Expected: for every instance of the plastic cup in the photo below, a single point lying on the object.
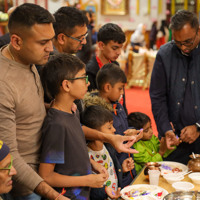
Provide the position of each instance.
(154, 177)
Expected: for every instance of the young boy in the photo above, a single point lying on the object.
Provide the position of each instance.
(110, 82)
(99, 118)
(64, 159)
(149, 147)
(110, 43)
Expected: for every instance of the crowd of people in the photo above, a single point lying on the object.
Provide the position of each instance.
(65, 132)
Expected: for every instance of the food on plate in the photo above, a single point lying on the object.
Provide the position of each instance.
(166, 169)
(144, 192)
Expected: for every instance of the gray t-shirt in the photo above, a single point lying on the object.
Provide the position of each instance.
(64, 144)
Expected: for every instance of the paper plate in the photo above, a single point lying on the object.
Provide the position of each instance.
(167, 167)
(143, 192)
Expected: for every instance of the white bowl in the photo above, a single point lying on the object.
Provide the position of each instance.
(172, 177)
(183, 186)
(195, 177)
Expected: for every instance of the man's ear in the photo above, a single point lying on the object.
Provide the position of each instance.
(101, 45)
(61, 38)
(107, 87)
(66, 85)
(16, 41)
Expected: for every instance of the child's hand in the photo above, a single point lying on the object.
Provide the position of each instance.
(96, 180)
(127, 165)
(163, 146)
(98, 168)
(113, 194)
(133, 132)
(171, 139)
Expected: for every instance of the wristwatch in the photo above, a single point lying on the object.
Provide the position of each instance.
(198, 127)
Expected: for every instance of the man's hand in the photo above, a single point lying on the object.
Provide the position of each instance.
(113, 194)
(117, 141)
(127, 165)
(189, 134)
(171, 139)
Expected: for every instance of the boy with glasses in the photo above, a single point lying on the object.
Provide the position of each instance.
(64, 159)
(6, 169)
(175, 87)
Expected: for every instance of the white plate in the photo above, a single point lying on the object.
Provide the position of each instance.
(172, 165)
(153, 189)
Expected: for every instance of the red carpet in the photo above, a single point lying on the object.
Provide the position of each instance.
(138, 100)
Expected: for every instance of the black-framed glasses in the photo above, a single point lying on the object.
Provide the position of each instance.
(82, 77)
(9, 167)
(79, 40)
(187, 43)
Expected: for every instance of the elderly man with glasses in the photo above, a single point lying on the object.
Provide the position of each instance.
(175, 87)
(6, 168)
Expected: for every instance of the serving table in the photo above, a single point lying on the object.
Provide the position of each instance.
(141, 179)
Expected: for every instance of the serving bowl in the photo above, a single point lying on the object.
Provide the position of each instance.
(181, 195)
(172, 178)
(195, 177)
(183, 186)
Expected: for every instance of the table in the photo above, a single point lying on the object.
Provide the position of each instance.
(141, 179)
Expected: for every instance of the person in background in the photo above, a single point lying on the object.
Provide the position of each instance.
(149, 147)
(5, 39)
(104, 153)
(70, 28)
(64, 158)
(162, 35)
(85, 53)
(7, 171)
(174, 88)
(110, 82)
(138, 38)
(22, 108)
(152, 35)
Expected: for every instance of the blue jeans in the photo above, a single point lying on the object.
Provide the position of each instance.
(32, 196)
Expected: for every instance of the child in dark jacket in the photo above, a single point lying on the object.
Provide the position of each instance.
(99, 118)
(111, 81)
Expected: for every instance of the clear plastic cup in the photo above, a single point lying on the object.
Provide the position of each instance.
(154, 177)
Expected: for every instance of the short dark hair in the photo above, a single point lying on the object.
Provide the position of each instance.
(110, 73)
(66, 20)
(96, 116)
(110, 32)
(183, 17)
(61, 66)
(27, 15)
(137, 120)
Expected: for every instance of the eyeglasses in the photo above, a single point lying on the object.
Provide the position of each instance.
(84, 37)
(82, 77)
(9, 167)
(186, 44)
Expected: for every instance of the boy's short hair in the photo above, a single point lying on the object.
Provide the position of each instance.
(96, 116)
(27, 15)
(110, 32)
(138, 120)
(67, 18)
(110, 73)
(60, 67)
